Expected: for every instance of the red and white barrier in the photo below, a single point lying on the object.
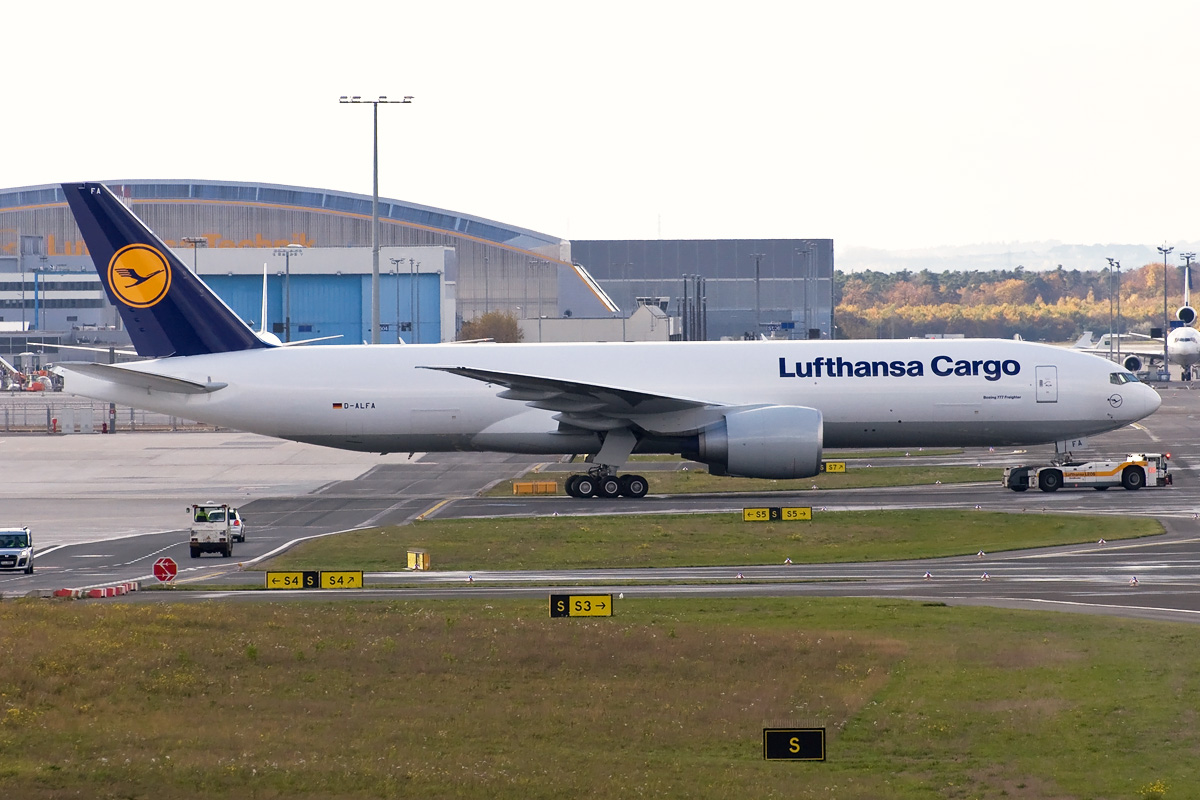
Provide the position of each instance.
(112, 590)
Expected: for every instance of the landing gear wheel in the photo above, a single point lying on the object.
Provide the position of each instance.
(1050, 480)
(584, 486)
(1133, 478)
(608, 487)
(569, 486)
(634, 486)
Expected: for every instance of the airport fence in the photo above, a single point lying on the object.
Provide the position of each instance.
(52, 412)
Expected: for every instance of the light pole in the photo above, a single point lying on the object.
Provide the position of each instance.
(292, 250)
(195, 241)
(537, 265)
(374, 205)
(1112, 262)
(757, 295)
(1166, 251)
(1187, 284)
(414, 297)
(396, 262)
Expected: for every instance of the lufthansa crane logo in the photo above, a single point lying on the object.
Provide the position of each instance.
(1115, 400)
(139, 275)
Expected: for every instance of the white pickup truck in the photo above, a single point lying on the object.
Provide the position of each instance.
(214, 528)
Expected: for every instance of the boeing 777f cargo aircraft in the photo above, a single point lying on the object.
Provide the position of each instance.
(752, 409)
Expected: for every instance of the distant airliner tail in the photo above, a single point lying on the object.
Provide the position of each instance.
(167, 310)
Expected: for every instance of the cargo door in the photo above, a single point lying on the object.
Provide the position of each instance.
(1047, 384)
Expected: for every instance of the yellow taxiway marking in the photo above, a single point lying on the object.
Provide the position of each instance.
(433, 508)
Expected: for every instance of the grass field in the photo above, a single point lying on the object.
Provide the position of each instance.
(675, 540)
(474, 699)
(915, 452)
(838, 455)
(695, 481)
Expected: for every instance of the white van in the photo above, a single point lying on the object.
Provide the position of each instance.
(16, 550)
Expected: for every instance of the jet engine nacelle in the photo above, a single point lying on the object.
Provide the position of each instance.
(765, 442)
(1132, 363)
(1186, 315)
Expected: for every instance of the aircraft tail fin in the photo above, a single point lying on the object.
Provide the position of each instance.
(167, 310)
(1084, 341)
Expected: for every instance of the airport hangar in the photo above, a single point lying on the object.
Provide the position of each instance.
(437, 269)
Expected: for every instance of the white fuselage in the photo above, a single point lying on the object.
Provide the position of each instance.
(880, 393)
(1183, 347)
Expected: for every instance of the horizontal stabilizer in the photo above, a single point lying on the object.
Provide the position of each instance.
(136, 379)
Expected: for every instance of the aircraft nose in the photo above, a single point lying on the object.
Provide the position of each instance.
(1150, 400)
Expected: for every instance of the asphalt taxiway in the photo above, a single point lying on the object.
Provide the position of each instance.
(108, 506)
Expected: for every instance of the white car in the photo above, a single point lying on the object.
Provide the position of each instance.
(16, 550)
(237, 525)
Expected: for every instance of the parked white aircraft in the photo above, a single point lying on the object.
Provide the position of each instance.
(753, 409)
(1135, 350)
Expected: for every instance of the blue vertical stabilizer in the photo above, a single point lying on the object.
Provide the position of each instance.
(167, 310)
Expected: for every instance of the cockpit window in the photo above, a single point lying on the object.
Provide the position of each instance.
(1122, 377)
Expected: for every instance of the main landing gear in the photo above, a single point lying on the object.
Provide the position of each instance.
(603, 483)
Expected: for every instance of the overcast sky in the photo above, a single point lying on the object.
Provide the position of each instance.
(878, 124)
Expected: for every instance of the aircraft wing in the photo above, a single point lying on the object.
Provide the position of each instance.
(598, 407)
(120, 351)
(1145, 349)
(136, 379)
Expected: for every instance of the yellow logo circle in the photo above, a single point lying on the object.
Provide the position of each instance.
(139, 275)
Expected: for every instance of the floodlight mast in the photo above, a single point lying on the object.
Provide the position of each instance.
(1112, 262)
(1166, 251)
(374, 203)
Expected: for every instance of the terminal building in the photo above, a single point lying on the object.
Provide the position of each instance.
(312, 250)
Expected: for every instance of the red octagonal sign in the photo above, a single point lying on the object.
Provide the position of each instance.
(165, 569)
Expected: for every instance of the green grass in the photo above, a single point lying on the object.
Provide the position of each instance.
(834, 455)
(474, 698)
(676, 540)
(915, 452)
(699, 481)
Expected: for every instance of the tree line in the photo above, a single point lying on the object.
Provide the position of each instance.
(1055, 305)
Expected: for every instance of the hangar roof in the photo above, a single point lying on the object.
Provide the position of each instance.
(266, 194)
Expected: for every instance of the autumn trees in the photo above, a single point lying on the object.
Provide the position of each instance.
(1054, 306)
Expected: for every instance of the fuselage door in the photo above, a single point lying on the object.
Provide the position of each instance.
(1047, 384)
